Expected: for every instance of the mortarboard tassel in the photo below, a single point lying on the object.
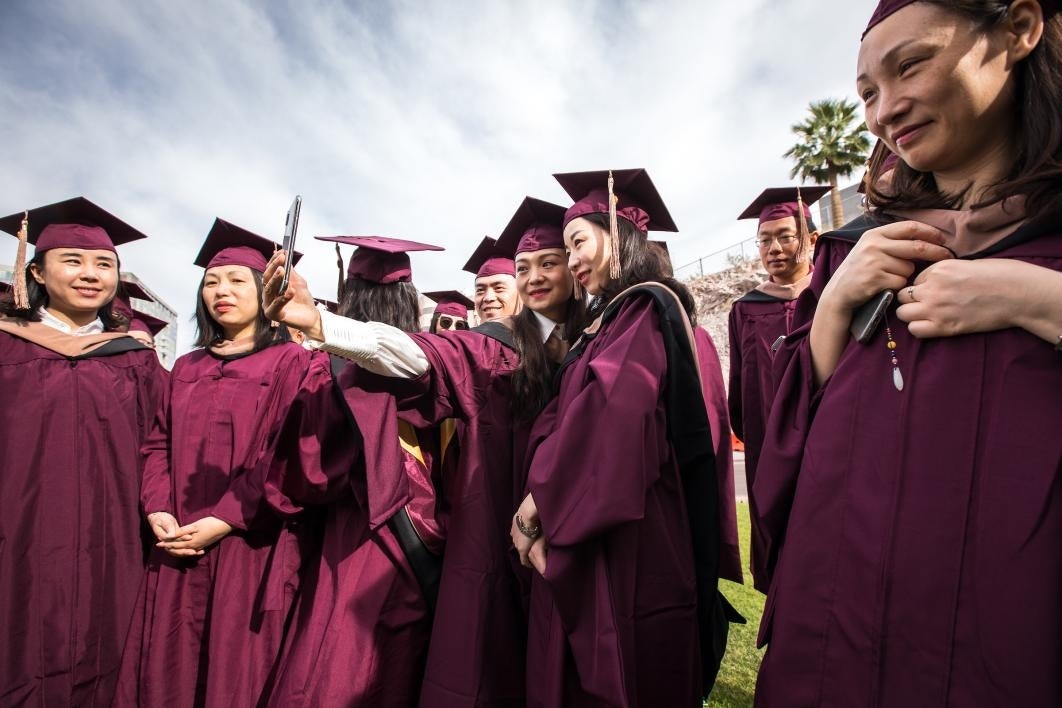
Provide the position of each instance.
(21, 288)
(803, 232)
(341, 282)
(577, 290)
(613, 230)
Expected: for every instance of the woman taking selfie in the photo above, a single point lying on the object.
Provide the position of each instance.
(911, 484)
(468, 376)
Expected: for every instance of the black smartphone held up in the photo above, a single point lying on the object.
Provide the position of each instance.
(868, 317)
(291, 226)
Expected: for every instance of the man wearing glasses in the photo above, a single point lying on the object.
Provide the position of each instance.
(785, 236)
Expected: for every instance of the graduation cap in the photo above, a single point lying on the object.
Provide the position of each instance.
(380, 259)
(138, 319)
(229, 244)
(637, 200)
(779, 202)
(535, 226)
(144, 322)
(488, 259)
(884, 10)
(74, 223)
(451, 302)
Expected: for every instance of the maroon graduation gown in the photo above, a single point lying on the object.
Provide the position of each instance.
(756, 321)
(476, 654)
(614, 619)
(71, 543)
(208, 630)
(362, 624)
(714, 393)
(918, 533)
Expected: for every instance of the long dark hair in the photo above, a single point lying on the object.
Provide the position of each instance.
(38, 298)
(640, 262)
(1037, 168)
(533, 379)
(209, 332)
(396, 304)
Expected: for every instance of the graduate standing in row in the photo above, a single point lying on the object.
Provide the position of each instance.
(495, 293)
(78, 398)
(222, 579)
(912, 484)
(621, 522)
(785, 237)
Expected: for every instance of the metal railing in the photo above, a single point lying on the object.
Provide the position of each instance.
(718, 260)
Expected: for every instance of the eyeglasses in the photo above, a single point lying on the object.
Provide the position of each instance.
(447, 322)
(765, 243)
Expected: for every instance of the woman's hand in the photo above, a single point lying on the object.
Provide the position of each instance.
(296, 307)
(537, 555)
(961, 297)
(163, 525)
(884, 259)
(194, 538)
(526, 516)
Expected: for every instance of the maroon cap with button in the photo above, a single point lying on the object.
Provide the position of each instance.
(637, 199)
(229, 244)
(380, 259)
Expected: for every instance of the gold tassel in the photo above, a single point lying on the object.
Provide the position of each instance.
(803, 231)
(342, 280)
(577, 290)
(613, 230)
(21, 288)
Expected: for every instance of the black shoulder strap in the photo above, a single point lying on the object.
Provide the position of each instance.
(690, 434)
(497, 331)
(758, 296)
(114, 347)
(426, 566)
(858, 226)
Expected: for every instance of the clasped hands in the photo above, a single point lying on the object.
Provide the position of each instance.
(190, 540)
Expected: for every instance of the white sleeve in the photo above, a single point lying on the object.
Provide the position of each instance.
(377, 347)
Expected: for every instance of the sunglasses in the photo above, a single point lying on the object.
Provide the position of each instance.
(447, 322)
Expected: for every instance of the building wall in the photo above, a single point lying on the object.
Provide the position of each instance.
(166, 340)
(851, 203)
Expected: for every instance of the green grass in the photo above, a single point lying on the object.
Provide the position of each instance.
(737, 676)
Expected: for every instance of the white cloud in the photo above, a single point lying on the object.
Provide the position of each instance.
(424, 120)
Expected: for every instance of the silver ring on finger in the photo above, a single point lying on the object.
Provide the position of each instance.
(910, 294)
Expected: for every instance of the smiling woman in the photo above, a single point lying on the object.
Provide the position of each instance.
(625, 519)
(75, 403)
(207, 593)
(896, 515)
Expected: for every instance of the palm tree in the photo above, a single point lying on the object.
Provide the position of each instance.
(829, 147)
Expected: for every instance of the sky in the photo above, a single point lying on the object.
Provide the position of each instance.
(427, 121)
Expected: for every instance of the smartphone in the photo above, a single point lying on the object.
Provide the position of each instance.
(291, 227)
(868, 317)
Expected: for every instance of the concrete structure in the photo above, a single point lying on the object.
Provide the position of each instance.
(851, 203)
